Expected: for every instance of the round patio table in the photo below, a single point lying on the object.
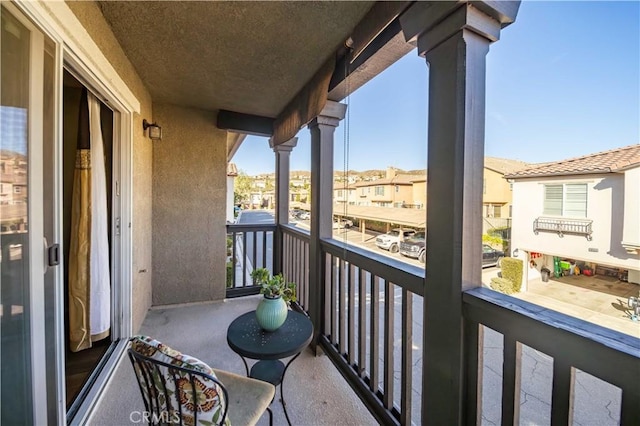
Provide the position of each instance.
(246, 338)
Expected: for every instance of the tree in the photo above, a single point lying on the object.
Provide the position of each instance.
(242, 186)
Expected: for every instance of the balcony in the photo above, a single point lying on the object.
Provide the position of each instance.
(563, 226)
(523, 363)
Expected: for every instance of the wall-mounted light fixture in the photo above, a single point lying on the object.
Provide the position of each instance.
(155, 131)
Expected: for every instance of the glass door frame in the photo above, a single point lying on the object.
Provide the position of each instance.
(35, 204)
(78, 53)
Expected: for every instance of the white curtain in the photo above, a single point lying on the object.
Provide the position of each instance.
(100, 288)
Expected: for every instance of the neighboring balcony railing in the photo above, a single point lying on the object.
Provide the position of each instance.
(563, 226)
(248, 247)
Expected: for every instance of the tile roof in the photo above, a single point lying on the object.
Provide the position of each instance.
(397, 180)
(601, 162)
(504, 165)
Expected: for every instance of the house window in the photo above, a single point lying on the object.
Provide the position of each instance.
(484, 185)
(339, 193)
(379, 190)
(397, 189)
(566, 199)
(17, 190)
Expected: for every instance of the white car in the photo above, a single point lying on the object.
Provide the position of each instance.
(392, 239)
(342, 223)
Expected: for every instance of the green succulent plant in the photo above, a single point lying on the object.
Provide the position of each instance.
(275, 286)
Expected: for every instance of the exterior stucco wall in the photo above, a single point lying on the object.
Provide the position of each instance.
(497, 191)
(420, 193)
(189, 206)
(89, 14)
(605, 204)
(631, 232)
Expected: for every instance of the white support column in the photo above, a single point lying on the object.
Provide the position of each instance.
(322, 130)
(455, 49)
(283, 155)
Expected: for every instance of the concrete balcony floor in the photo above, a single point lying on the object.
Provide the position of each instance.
(315, 392)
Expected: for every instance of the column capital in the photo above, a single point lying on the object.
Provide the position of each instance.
(330, 115)
(427, 24)
(285, 146)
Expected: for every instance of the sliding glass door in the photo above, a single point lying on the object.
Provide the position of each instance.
(27, 106)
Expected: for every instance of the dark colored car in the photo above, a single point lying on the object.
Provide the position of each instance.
(491, 256)
(415, 247)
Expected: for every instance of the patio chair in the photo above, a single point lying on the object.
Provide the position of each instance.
(169, 380)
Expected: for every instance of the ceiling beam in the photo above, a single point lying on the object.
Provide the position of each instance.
(376, 43)
(245, 123)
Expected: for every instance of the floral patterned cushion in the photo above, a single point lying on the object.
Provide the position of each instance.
(209, 398)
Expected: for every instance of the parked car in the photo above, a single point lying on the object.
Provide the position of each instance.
(342, 223)
(304, 215)
(491, 256)
(295, 213)
(392, 239)
(415, 247)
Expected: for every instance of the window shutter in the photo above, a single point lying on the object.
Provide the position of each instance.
(576, 200)
(553, 200)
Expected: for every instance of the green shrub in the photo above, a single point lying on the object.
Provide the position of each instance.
(512, 271)
(230, 271)
(503, 285)
(492, 240)
(229, 245)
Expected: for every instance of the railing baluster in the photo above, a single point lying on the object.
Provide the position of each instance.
(306, 276)
(351, 313)
(295, 264)
(285, 255)
(342, 329)
(299, 261)
(244, 259)
(234, 260)
(388, 344)
(511, 380)
(473, 369)
(630, 410)
(362, 323)
(375, 334)
(334, 296)
(406, 379)
(264, 249)
(255, 250)
(562, 392)
(328, 276)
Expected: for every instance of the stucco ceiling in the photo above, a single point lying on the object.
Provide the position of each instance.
(249, 57)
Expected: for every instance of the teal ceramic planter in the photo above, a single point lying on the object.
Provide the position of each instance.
(271, 313)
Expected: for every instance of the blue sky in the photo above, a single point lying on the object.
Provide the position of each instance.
(563, 81)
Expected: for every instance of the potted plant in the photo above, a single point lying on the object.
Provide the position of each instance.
(273, 308)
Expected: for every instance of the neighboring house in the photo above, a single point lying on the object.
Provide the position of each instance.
(343, 193)
(496, 198)
(420, 192)
(585, 209)
(496, 191)
(395, 190)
